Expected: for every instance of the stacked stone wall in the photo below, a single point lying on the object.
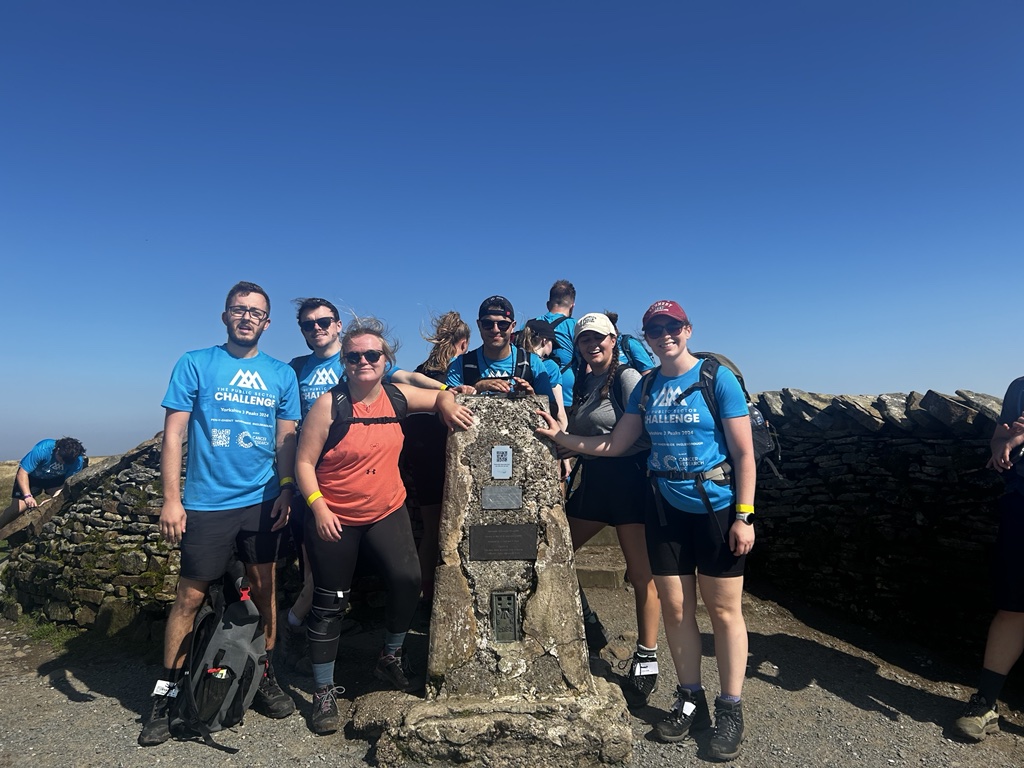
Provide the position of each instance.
(885, 513)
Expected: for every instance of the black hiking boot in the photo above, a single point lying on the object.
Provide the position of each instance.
(325, 718)
(642, 679)
(157, 729)
(393, 670)
(729, 730)
(270, 700)
(689, 712)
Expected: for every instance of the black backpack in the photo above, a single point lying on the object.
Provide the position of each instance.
(766, 439)
(471, 366)
(341, 413)
(224, 664)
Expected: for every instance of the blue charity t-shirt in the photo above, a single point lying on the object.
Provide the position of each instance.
(641, 357)
(41, 464)
(684, 436)
(235, 404)
(501, 369)
(317, 376)
(562, 351)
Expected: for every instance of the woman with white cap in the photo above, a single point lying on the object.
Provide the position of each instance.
(699, 526)
(612, 490)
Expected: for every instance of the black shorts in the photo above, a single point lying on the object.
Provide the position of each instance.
(1009, 573)
(211, 537)
(611, 490)
(37, 485)
(690, 542)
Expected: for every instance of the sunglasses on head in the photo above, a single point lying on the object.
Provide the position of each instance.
(371, 355)
(308, 325)
(657, 330)
(503, 325)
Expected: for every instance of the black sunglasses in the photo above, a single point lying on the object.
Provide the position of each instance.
(309, 325)
(371, 355)
(503, 325)
(657, 331)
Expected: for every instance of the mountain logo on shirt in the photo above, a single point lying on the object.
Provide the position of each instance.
(323, 377)
(669, 396)
(248, 380)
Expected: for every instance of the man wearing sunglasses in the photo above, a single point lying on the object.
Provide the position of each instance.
(237, 407)
(496, 367)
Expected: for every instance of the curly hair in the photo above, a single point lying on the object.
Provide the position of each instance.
(371, 326)
(69, 448)
(449, 330)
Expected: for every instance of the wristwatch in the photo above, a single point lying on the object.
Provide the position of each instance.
(746, 517)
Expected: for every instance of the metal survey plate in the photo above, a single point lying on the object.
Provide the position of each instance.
(503, 542)
(501, 497)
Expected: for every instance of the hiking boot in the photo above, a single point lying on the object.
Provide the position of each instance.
(157, 729)
(270, 700)
(729, 730)
(978, 719)
(393, 670)
(689, 712)
(325, 718)
(642, 680)
(593, 630)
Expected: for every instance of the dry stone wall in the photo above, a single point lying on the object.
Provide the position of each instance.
(885, 512)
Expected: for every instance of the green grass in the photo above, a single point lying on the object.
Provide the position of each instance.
(57, 636)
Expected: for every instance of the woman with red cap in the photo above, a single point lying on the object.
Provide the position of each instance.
(698, 524)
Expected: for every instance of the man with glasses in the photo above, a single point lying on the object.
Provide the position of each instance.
(496, 367)
(44, 469)
(238, 407)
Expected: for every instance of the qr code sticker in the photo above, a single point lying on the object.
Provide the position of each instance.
(501, 456)
(221, 438)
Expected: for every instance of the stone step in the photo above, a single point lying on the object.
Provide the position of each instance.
(601, 566)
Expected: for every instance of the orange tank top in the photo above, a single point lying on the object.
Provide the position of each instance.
(359, 477)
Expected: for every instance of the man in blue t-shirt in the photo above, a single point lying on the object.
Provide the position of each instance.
(496, 367)
(561, 301)
(237, 407)
(44, 469)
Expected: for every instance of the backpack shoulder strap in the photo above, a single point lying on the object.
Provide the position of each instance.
(645, 389)
(706, 383)
(471, 367)
(341, 418)
(561, 319)
(398, 401)
(521, 367)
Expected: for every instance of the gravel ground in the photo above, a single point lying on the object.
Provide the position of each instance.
(811, 699)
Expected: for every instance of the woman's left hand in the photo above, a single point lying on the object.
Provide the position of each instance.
(550, 428)
(741, 538)
(454, 415)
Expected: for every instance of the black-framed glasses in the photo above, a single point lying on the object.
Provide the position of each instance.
(486, 325)
(237, 310)
(371, 355)
(307, 326)
(657, 330)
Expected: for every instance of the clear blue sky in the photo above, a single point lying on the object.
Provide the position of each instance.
(833, 190)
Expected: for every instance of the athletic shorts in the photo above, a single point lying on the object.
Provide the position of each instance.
(612, 490)
(1009, 571)
(37, 486)
(211, 537)
(690, 542)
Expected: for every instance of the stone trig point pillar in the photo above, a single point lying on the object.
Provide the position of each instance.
(508, 677)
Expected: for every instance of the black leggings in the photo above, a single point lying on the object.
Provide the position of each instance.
(392, 552)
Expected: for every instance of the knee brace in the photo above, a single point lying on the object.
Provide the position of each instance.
(325, 616)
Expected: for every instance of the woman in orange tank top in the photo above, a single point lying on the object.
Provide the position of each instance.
(352, 486)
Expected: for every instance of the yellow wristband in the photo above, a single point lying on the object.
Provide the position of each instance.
(286, 480)
(748, 508)
(313, 497)
(444, 387)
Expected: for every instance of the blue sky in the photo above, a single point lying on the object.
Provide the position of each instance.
(833, 190)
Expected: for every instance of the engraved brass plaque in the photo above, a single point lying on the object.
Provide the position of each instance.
(503, 542)
(501, 497)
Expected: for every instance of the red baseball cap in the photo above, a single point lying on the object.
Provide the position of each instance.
(667, 308)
